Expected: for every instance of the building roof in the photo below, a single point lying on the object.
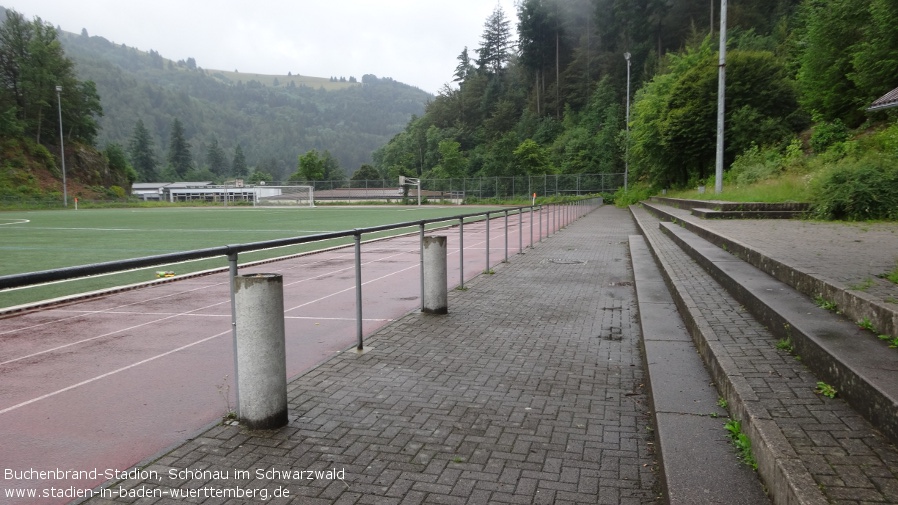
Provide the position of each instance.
(886, 101)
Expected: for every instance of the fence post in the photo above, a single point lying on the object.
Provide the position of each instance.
(358, 289)
(434, 298)
(261, 352)
(520, 231)
(532, 218)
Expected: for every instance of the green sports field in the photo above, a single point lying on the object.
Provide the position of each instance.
(42, 240)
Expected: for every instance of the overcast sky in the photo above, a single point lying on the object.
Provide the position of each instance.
(413, 41)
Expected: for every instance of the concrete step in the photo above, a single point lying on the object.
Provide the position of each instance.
(718, 205)
(839, 352)
(809, 448)
(747, 214)
(697, 460)
(855, 305)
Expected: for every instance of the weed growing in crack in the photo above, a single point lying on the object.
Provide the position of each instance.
(826, 390)
(741, 442)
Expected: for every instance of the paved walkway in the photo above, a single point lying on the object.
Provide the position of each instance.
(531, 390)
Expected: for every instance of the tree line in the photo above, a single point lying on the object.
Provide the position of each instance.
(554, 99)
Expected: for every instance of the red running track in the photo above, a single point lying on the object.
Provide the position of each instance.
(107, 382)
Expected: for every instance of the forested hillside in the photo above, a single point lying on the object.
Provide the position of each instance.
(800, 74)
(221, 123)
(274, 119)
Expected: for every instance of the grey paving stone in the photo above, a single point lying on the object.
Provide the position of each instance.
(531, 390)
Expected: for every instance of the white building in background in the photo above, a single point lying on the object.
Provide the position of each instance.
(205, 191)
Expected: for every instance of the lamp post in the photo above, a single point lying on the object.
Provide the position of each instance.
(65, 196)
(721, 89)
(627, 147)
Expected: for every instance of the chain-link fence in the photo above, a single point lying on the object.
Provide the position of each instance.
(475, 187)
(454, 190)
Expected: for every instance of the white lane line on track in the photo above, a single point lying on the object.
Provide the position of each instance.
(90, 312)
(109, 333)
(190, 313)
(107, 374)
(180, 314)
(229, 315)
(153, 358)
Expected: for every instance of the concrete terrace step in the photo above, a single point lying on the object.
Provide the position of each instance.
(696, 458)
(809, 448)
(716, 209)
(838, 352)
(718, 205)
(746, 214)
(815, 282)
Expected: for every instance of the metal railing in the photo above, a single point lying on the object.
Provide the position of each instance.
(558, 214)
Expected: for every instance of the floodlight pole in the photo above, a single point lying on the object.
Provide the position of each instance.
(65, 196)
(627, 147)
(721, 87)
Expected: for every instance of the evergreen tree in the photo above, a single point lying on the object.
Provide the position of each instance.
(179, 150)
(464, 68)
(143, 153)
(216, 160)
(32, 65)
(238, 166)
(495, 48)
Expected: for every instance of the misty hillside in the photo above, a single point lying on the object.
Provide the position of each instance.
(274, 119)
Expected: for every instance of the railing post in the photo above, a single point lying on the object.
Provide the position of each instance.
(520, 231)
(540, 223)
(532, 220)
(506, 236)
(487, 244)
(358, 289)
(461, 253)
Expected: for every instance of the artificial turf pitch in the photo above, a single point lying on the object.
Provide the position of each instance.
(47, 239)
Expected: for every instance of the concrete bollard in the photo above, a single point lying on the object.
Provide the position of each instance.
(261, 353)
(435, 276)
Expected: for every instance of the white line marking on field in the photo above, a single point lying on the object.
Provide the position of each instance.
(15, 221)
(107, 374)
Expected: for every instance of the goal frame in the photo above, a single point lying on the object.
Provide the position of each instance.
(284, 195)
